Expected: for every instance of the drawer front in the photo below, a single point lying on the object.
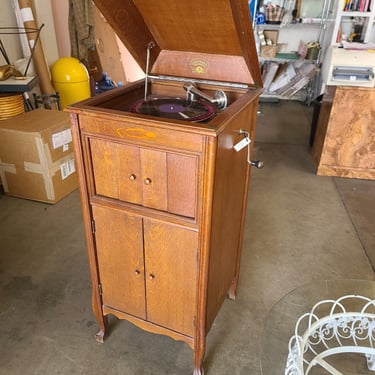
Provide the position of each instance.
(162, 180)
(142, 134)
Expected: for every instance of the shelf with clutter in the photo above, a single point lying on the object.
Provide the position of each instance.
(291, 40)
(350, 59)
(354, 22)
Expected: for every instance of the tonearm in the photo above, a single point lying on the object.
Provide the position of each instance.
(220, 98)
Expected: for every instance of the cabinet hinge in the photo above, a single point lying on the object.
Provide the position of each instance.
(93, 226)
(100, 290)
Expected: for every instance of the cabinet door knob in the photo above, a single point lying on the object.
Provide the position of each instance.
(132, 177)
(151, 276)
(148, 181)
(137, 272)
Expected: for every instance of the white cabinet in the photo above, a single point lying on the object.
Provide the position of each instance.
(354, 29)
(354, 21)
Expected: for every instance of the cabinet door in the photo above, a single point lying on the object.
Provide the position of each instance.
(104, 164)
(116, 170)
(169, 181)
(153, 178)
(182, 187)
(171, 275)
(119, 247)
(129, 174)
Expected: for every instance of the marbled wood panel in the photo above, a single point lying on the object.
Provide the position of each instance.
(337, 171)
(349, 146)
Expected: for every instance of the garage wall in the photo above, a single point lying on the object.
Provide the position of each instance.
(43, 15)
(10, 42)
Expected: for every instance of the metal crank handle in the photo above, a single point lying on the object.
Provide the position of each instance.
(246, 142)
(256, 163)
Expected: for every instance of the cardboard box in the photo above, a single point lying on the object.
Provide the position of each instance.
(272, 35)
(36, 156)
(268, 51)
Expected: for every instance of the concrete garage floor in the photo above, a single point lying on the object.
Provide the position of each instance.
(301, 230)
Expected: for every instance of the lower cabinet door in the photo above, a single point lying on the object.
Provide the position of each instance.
(147, 268)
(119, 246)
(171, 275)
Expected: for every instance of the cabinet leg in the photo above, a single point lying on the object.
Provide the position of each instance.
(198, 358)
(98, 313)
(199, 371)
(233, 289)
(99, 336)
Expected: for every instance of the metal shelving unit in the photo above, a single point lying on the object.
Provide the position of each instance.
(312, 88)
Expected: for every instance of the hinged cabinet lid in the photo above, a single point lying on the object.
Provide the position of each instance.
(211, 39)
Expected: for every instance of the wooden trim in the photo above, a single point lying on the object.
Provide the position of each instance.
(149, 327)
(96, 300)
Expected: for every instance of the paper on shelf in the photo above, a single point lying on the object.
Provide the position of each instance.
(358, 46)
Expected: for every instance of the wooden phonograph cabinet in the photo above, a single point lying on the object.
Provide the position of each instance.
(163, 187)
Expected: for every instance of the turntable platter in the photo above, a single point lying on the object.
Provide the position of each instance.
(174, 108)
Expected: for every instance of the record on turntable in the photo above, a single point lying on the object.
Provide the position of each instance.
(174, 108)
(189, 109)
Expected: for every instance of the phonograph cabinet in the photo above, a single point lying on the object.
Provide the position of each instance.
(164, 166)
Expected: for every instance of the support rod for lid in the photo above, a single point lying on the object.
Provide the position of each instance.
(149, 46)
